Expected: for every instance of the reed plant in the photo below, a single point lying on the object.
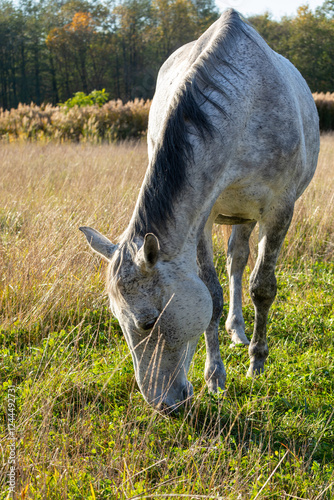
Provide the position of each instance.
(114, 121)
(325, 106)
(110, 122)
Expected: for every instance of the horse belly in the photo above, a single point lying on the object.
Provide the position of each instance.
(239, 205)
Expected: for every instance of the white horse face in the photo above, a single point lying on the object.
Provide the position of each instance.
(162, 309)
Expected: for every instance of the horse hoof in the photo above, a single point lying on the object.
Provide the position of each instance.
(215, 387)
(255, 369)
(216, 381)
(239, 339)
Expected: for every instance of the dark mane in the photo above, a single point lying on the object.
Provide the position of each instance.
(167, 177)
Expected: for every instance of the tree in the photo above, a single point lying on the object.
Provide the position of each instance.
(72, 42)
(175, 24)
(133, 18)
(311, 48)
(50, 49)
(326, 9)
(307, 40)
(12, 55)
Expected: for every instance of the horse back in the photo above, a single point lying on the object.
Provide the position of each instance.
(257, 101)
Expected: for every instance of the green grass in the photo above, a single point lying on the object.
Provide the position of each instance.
(82, 428)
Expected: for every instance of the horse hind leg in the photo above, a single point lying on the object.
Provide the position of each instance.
(263, 281)
(214, 373)
(237, 257)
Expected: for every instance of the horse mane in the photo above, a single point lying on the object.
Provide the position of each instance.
(167, 177)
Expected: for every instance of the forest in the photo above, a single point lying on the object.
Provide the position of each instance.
(52, 49)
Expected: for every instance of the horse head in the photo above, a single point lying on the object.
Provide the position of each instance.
(162, 307)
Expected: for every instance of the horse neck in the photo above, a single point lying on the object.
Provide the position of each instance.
(178, 220)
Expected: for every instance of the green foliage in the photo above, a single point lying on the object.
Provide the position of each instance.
(80, 99)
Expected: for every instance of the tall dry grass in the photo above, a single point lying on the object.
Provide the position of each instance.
(47, 192)
(114, 121)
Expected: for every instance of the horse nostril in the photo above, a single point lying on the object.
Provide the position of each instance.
(149, 324)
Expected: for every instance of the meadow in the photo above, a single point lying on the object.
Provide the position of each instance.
(82, 429)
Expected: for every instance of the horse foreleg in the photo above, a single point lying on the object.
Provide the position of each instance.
(237, 256)
(215, 374)
(262, 285)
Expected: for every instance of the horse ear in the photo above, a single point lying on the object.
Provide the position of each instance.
(98, 242)
(151, 250)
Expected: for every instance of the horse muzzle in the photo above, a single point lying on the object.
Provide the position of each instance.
(170, 404)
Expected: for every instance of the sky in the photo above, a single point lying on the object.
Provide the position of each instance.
(277, 8)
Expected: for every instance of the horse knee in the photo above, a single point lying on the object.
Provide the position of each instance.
(263, 292)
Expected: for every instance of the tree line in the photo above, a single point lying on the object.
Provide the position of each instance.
(52, 49)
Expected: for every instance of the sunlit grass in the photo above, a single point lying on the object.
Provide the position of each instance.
(83, 430)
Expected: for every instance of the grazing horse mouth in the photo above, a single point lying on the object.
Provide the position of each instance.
(168, 406)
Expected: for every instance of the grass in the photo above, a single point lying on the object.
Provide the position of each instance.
(82, 429)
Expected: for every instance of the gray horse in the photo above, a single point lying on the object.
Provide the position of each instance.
(233, 139)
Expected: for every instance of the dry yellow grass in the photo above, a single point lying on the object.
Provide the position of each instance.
(46, 193)
(112, 122)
